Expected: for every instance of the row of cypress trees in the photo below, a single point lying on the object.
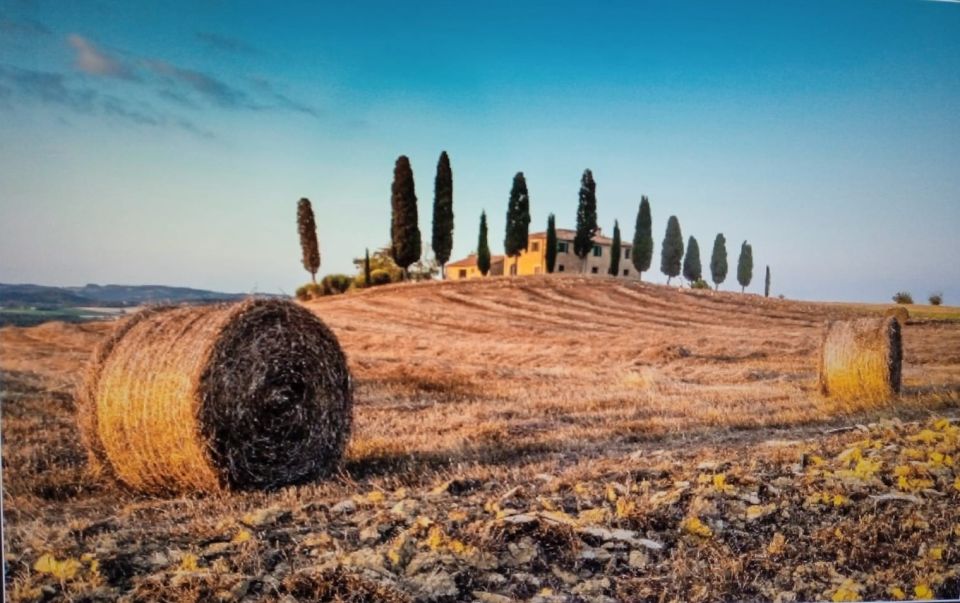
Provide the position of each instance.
(406, 244)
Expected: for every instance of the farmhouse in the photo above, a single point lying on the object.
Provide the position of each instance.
(533, 260)
(467, 268)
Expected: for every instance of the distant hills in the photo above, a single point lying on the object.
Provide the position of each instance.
(26, 305)
(106, 295)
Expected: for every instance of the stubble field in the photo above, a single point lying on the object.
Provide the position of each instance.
(540, 438)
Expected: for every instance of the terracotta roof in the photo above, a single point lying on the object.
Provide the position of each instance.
(471, 260)
(565, 234)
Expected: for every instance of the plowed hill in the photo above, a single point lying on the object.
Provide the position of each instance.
(576, 406)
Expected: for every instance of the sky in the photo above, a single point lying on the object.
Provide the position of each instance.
(168, 142)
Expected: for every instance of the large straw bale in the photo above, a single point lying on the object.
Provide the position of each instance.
(197, 398)
(862, 359)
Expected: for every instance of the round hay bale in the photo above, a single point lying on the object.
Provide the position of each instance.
(862, 359)
(236, 396)
(899, 312)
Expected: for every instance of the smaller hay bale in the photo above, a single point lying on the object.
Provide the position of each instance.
(253, 395)
(899, 312)
(862, 359)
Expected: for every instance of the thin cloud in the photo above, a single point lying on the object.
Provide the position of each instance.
(225, 43)
(214, 90)
(264, 86)
(23, 27)
(178, 97)
(93, 61)
(46, 87)
(55, 89)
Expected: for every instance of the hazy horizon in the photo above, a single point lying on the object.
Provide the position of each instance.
(169, 142)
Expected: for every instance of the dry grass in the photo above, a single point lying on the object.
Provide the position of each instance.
(861, 361)
(254, 394)
(554, 396)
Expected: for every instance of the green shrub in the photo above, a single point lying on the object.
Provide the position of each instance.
(936, 299)
(903, 297)
(309, 291)
(380, 277)
(699, 284)
(335, 283)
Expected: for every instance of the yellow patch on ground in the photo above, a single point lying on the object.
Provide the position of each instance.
(188, 563)
(922, 591)
(848, 591)
(693, 525)
(61, 570)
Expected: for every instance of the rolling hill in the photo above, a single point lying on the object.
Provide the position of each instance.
(534, 438)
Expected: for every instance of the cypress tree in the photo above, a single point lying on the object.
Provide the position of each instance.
(483, 248)
(642, 253)
(586, 218)
(366, 268)
(672, 249)
(442, 240)
(518, 218)
(615, 251)
(692, 268)
(766, 283)
(745, 266)
(404, 227)
(309, 247)
(551, 250)
(718, 260)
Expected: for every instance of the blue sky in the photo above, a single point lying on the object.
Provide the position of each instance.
(168, 142)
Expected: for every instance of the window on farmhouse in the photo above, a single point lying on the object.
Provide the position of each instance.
(594, 270)
(597, 251)
(560, 268)
(626, 253)
(463, 273)
(535, 246)
(562, 247)
(626, 272)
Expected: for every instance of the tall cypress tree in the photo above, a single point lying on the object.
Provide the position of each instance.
(483, 248)
(518, 219)
(551, 250)
(309, 247)
(642, 252)
(718, 260)
(404, 227)
(442, 240)
(366, 268)
(692, 268)
(745, 266)
(586, 218)
(671, 252)
(615, 251)
(766, 283)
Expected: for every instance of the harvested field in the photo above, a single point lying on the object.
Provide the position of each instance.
(532, 438)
